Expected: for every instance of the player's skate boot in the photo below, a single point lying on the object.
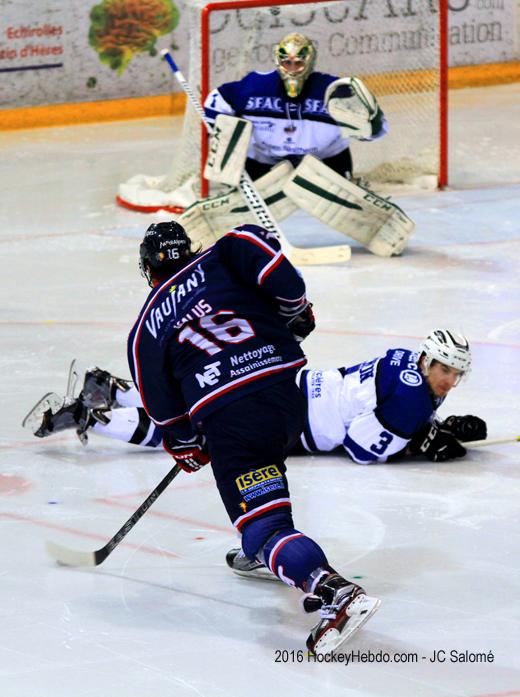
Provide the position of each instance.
(345, 607)
(242, 566)
(100, 389)
(75, 415)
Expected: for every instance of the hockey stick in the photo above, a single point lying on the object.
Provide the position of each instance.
(297, 255)
(73, 557)
(491, 441)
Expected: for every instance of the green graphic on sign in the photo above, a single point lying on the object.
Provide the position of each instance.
(119, 29)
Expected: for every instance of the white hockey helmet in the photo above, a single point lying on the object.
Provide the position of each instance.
(446, 347)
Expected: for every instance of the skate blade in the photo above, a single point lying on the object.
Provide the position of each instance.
(34, 418)
(360, 610)
(261, 573)
(72, 381)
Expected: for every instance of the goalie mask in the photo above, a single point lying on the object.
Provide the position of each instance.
(295, 57)
(448, 348)
(165, 248)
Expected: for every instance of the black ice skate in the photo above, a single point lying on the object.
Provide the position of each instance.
(51, 414)
(345, 608)
(100, 388)
(242, 566)
(50, 402)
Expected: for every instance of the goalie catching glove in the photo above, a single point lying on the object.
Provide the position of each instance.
(354, 108)
(436, 444)
(191, 455)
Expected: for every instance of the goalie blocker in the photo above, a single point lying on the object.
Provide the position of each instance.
(228, 149)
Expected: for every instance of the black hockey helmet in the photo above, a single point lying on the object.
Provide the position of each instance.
(164, 250)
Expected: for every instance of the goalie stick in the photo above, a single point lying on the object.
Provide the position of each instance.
(297, 255)
(74, 557)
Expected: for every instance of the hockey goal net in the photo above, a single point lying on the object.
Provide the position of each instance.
(398, 47)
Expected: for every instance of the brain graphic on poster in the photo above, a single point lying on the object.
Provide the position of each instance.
(119, 29)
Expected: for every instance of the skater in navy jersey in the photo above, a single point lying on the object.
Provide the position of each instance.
(214, 355)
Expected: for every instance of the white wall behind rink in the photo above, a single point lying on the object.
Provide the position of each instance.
(46, 56)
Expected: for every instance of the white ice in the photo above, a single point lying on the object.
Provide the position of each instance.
(163, 615)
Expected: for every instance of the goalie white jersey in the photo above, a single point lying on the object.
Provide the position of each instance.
(284, 127)
(371, 409)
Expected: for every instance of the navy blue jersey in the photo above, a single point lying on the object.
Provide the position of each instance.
(217, 330)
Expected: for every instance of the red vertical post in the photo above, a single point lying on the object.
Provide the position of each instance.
(443, 94)
(204, 90)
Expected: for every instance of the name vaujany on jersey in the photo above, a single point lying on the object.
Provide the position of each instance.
(177, 293)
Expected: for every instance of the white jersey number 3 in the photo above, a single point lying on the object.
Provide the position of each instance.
(385, 439)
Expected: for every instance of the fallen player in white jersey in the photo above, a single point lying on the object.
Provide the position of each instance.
(380, 410)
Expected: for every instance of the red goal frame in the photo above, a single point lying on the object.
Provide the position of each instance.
(442, 178)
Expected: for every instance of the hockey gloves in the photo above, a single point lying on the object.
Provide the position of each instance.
(465, 428)
(191, 455)
(436, 444)
(303, 324)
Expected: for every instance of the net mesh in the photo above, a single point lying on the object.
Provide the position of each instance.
(396, 52)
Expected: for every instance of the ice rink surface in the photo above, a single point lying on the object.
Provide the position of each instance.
(439, 544)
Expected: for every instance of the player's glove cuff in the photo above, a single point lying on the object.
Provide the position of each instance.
(191, 455)
(436, 444)
(303, 324)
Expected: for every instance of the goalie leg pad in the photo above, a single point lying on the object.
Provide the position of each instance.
(228, 149)
(379, 225)
(209, 219)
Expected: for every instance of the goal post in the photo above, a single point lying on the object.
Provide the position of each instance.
(398, 47)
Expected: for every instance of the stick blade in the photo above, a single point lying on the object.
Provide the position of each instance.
(70, 557)
(300, 256)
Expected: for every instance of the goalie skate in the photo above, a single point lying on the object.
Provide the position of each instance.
(345, 609)
(242, 566)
